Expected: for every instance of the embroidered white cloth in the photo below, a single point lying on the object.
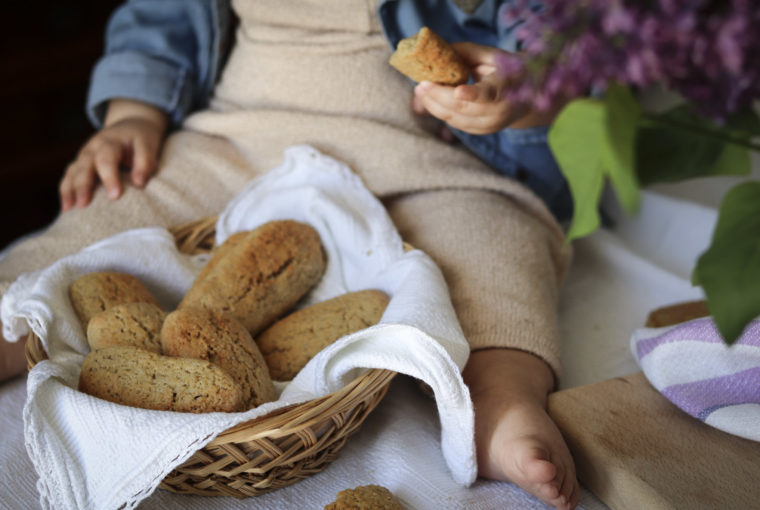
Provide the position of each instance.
(692, 367)
(92, 454)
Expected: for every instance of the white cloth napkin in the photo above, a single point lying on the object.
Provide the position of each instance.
(92, 454)
(692, 367)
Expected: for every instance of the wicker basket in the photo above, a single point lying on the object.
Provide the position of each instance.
(275, 450)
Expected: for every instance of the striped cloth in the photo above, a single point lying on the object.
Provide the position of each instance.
(693, 368)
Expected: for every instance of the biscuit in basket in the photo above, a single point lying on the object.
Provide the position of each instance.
(138, 324)
(96, 292)
(220, 252)
(365, 497)
(135, 377)
(427, 57)
(289, 343)
(222, 340)
(263, 275)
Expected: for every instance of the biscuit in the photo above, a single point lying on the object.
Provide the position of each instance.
(427, 57)
(96, 292)
(135, 377)
(288, 344)
(138, 324)
(365, 497)
(262, 276)
(220, 252)
(222, 340)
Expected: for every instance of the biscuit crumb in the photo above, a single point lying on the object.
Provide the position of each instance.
(365, 497)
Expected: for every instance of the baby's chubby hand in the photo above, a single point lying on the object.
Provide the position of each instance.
(132, 137)
(480, 107)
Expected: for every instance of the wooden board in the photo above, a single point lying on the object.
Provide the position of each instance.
(635, 450)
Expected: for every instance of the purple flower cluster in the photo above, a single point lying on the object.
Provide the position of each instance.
(708, 51)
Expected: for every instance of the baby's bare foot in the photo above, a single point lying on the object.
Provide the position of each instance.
(517, 441)
(526, 448)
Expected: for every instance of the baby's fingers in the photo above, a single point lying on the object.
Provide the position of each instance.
(486, 59)
(145, 152)
(107, 159)
(438, 99)
(66, 189)
(482, 92)
(77, 183)
(474, 54)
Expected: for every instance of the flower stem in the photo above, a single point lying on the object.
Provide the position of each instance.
(655, 120)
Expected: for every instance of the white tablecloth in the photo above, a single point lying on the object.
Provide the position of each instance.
(618, 276)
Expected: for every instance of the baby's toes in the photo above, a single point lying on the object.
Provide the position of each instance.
(572, 499)
(537, 467)
(548, 493)
(568, 484)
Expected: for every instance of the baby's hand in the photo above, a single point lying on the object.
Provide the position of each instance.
(132, 138)
(481, 107)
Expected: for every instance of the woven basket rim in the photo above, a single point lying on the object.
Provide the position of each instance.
(287, 419)
(296, 420)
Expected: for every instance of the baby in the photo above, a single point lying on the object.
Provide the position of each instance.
(317, 73)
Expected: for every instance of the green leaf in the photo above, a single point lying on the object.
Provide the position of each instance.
(592, 140)
(744, 123)
(733, 160)
(576, 139)
(618, 157)
(680, 144)
(729, 271)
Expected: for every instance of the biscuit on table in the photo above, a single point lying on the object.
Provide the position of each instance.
(289, 343)
(365, 497)
(427, 57)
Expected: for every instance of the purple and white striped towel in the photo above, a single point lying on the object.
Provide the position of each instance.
(692, 367)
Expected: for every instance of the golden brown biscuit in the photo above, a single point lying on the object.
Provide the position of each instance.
(220, 252)
(203, 334)
(138, 324)
(427, 57)
(96, 292)
(365, 497)
(288, 344)
(135, 377)
(263, 275)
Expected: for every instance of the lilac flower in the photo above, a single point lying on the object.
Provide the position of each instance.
(705, 50)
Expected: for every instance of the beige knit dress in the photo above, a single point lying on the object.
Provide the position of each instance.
(315, 72)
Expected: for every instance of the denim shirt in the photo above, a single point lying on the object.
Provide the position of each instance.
(169, 53)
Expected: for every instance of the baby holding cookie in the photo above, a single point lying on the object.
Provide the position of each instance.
(193, 131)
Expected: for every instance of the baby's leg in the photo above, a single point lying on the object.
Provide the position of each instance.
(12, 359)
(503, 268)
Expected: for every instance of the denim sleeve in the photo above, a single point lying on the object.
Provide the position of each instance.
(161, 52)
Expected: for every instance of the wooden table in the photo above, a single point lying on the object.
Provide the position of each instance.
(635, 450)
